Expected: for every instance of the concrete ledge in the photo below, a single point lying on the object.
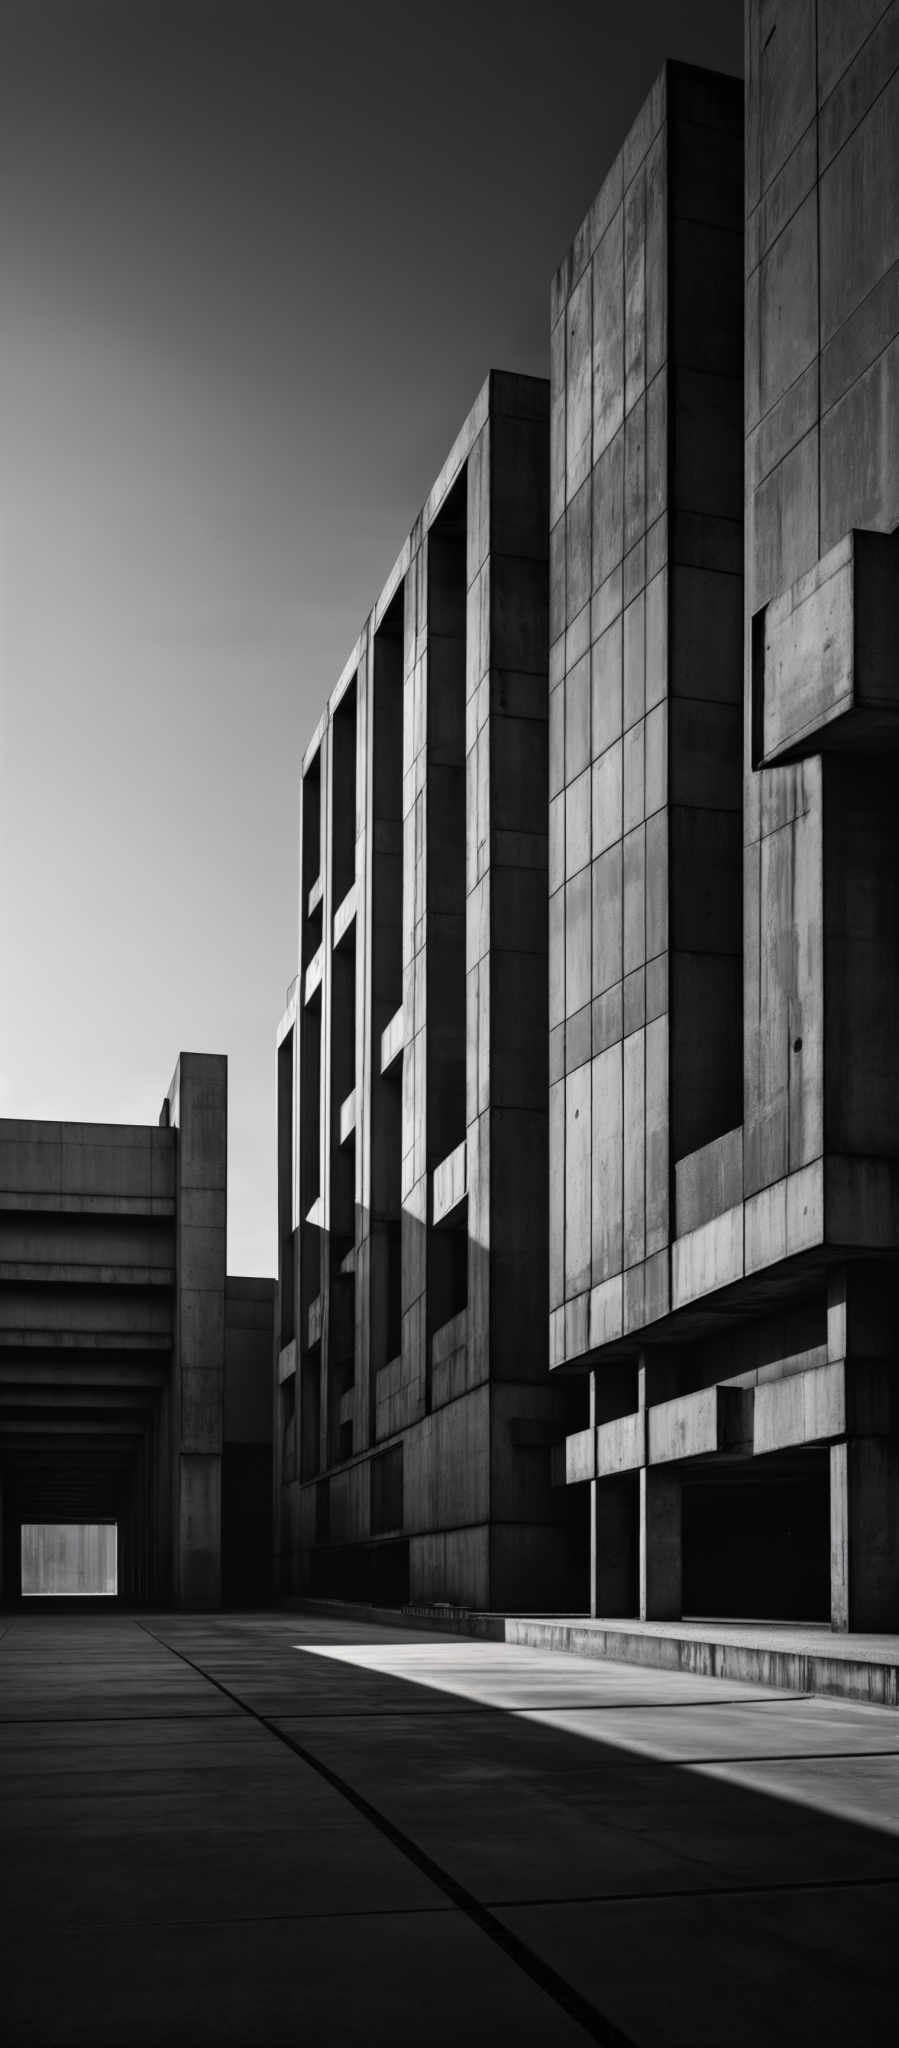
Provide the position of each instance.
(580, 1457)
(824, 667)
(621, 1445)
(782, 1656)
(450, 1183)
(313, 979)
(314, 1322)
(348, 1117)
(392, 1040)
(287, 1361)
(344, 918)
(699, 1425)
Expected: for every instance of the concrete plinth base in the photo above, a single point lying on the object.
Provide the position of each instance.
(788, 1657)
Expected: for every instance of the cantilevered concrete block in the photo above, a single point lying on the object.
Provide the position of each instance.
(826, 655)
(699, 1425)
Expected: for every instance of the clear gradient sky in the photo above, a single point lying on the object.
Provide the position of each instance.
(256, 259)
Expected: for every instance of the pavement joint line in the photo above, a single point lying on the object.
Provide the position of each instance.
(104, 1720)
(86, 1922)
(686, 1763)
(486, 1707)
(552, 1707)
(25, 1721)
(582, 2010)
(802, 1756)
(712, 1891)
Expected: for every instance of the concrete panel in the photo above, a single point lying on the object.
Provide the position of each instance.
(449, 1183)
(608, 1157)
(709, 1181)
(859, 218)
(621, 1445)
(708, 1258)
(698, 1425)
(808, 1407)
(826, 671)
(578, 1179)
(199, 1530)
(580, 1457)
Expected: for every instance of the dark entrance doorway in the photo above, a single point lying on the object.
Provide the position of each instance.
(756, 1539)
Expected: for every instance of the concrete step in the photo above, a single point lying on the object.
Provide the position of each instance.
(790, 1657)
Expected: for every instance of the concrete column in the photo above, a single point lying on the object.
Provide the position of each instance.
(593, 1497)
(864, 1468)
(593, 1543)
(615, 1545)
(661, 1549)
(864, 1534)
(661, 1533)
(198, 1110)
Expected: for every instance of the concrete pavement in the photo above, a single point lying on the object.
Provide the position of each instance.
(272, 1828)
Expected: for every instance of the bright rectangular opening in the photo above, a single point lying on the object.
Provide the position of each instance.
(69, 1560)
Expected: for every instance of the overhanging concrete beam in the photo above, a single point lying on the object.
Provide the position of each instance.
(699, 1425)
(825, 662)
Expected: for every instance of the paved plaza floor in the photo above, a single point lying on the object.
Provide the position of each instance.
(284, 1828)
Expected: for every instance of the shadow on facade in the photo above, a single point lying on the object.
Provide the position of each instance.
(427, 1475)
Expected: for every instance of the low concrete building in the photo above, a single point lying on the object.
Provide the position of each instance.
(134, 1373)
(416, 1413)
(725, 1135)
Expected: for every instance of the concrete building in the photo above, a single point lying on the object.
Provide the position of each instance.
(135, 1374)
(724, 842)
(416, 1412)
(720, 1050)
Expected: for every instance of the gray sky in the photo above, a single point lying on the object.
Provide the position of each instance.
(255, 262)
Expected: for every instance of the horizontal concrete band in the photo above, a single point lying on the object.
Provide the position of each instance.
(820, 1405)
(801, 1660)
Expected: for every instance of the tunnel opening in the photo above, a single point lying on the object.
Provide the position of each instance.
(69, 1560)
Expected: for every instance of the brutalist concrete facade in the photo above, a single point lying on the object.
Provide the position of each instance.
(415, 1410)
(722, 1029)
(725, 1196)
(134, 1372)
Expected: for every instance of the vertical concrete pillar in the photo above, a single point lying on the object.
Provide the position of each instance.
(593, 1510)
(864, 1469)
(198, 1110)
(661, 1553)
(660, 1520)
(864, 1534)
(615, 1545)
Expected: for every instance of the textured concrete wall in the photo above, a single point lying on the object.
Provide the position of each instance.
(822, 457)
(764, 1338)
(438, 1123)
(249, 1323)
(645, 689)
